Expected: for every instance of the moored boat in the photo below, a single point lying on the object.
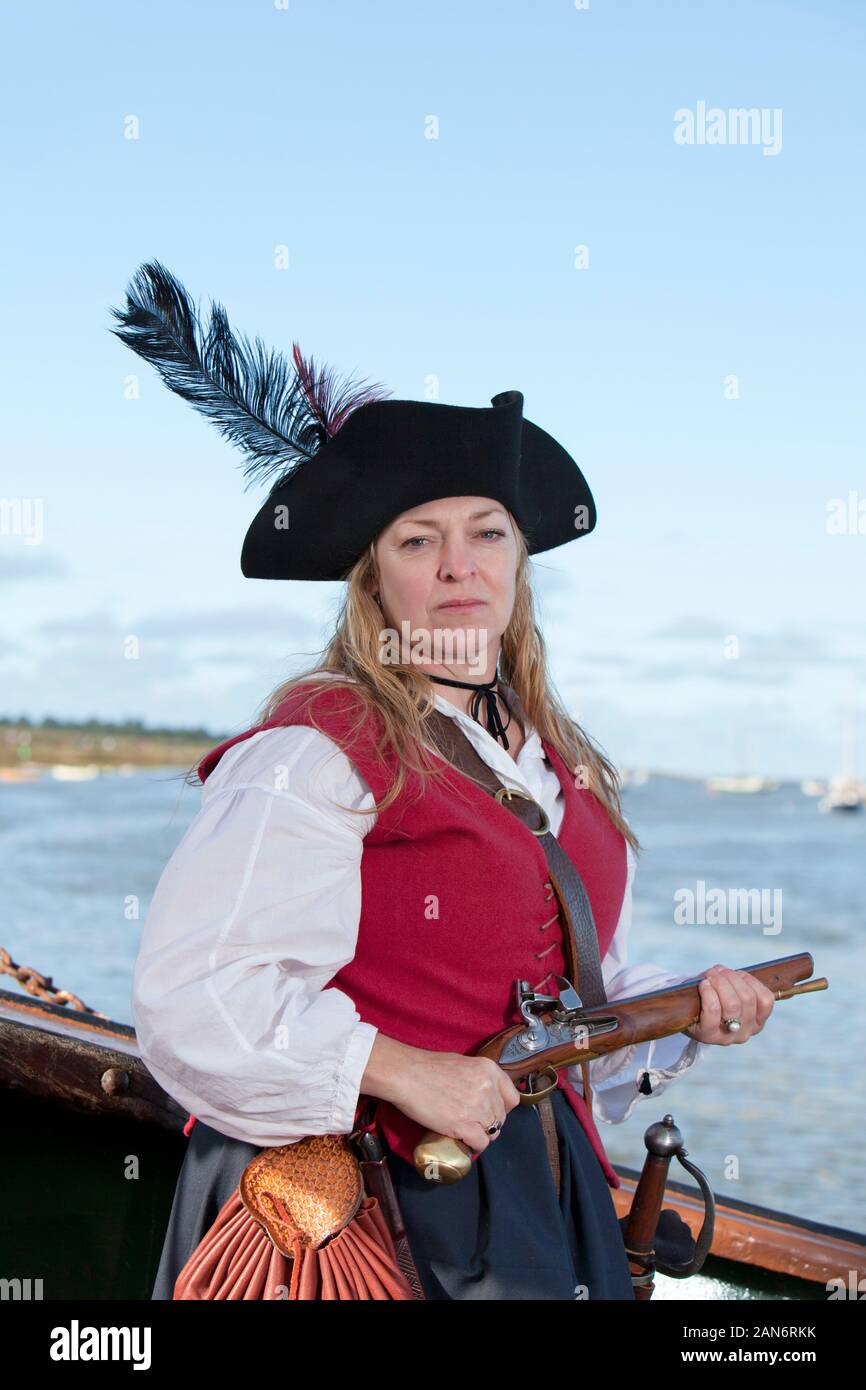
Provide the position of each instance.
(844, 794)
(72, 772)
(20, 774)
(747, 784)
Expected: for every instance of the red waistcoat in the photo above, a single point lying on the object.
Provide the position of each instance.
(456, 903)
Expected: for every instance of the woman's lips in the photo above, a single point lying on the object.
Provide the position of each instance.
(467, 603)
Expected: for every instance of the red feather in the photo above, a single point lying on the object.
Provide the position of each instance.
(331, 400)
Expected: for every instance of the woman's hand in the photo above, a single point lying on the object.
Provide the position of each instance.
(727, 993)
(446, 1092)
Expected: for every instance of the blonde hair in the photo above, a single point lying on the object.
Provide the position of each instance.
(403, 696)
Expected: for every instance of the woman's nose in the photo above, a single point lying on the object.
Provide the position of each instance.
(457, 560)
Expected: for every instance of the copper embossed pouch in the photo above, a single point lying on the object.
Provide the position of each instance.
(298, 1226)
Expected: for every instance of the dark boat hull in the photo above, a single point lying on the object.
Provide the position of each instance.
(93, 1146)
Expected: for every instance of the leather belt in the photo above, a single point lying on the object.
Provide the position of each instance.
(579, 935)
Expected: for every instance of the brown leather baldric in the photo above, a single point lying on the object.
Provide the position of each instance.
(579, 935)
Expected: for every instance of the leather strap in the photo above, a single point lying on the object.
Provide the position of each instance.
(544, 1110)
(579, 935)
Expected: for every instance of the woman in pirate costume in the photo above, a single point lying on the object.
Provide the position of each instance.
(345, 920)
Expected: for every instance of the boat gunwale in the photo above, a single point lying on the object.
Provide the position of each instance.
(787, 1237)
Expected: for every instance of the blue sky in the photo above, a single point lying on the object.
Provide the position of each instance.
(452, 258)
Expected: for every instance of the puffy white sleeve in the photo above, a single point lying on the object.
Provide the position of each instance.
(616, 1079)
(255, 912)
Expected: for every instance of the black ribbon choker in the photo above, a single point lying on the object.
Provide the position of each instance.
(486, 691)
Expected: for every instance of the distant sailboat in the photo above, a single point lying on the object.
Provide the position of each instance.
(741, 783)
(69, 772)
(634, 777)
(846, 792)
(813, 786)
(747, 782)
(20, 774)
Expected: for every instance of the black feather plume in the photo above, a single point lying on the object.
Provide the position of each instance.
(278, 414)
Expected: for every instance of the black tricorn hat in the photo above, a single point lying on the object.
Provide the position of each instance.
(391, 456)
(348, 459)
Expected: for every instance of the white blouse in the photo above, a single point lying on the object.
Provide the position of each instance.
(258, 908)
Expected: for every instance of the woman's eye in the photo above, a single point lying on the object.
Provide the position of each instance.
(409, 543)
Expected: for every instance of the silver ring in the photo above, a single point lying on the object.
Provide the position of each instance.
(733, 1025)
(494, 1128)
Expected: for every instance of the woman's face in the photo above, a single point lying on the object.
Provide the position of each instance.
(450, 564)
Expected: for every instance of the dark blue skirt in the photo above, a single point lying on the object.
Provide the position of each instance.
(500, 1233)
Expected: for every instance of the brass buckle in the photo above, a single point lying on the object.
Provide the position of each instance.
(515, 791)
